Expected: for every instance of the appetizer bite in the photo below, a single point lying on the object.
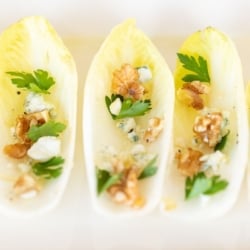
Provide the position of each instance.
(210, 128)
(128, 107)
(38, 117)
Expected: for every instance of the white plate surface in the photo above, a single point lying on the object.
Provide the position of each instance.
(83, 26)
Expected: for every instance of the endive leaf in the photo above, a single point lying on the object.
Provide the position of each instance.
(126, 45)
(25, 46)
(226, 94)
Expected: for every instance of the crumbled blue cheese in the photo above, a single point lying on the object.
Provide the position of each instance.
(137, 150)
(115, 106)
(132, 136)
(108, 151)
(145, 74)
(213, 161)
(35, 103)
(45, 148)
(140, 155)
(106, 157)
(128, 126)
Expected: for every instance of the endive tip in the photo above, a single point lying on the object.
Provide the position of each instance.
(129, 22)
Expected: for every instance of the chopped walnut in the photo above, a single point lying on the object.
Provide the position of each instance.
(24, 184)
(17, 150)
(127, 192)
(208, 128)
(191, 93)
(155, 126)
(126, 83)
(189, 162)
(117, 165)
(26, 121)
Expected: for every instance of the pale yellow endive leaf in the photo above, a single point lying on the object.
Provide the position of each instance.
(126, 44)
(30, 44)
(226, 94)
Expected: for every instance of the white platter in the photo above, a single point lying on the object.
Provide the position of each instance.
(83, 26)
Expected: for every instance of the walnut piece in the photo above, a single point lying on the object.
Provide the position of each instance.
(26, 121)
(127, 192)
(155, 126)
(126, 83)
(189, 162)
(17, 150)
(24, 184)
(208, 128)
(191, 94)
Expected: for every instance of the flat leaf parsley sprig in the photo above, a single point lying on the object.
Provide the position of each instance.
(39, 82)
(49, 169)
(201, 184)
(50, 128)
(129, 108)
(197, 66)
(105, 179)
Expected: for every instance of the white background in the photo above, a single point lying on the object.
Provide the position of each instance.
(83, 26)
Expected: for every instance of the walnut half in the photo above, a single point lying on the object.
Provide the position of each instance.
(191, 94)
(189, 162)
(17, 150)
(126, 83)
(155, 127)
(208, 128)
(127, 192)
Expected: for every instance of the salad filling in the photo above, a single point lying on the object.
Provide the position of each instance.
(119, 173)
(201, 160)
(36, 144)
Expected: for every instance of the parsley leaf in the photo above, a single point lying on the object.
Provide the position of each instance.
(220, 145)
(105, 180)
(217, 185)
(200, 184)
(198, 66)
(49, 128)
(149, 170)
(129, 108)
(39, 81)
(49, 169)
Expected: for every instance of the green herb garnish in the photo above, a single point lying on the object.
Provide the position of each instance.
(217, 185)
(49, 169)
(200, 184)
(129, 107)
(220, 145)
(149, 170)
(198, 66)
(105, 180)
(49, 128)
(39, 81)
